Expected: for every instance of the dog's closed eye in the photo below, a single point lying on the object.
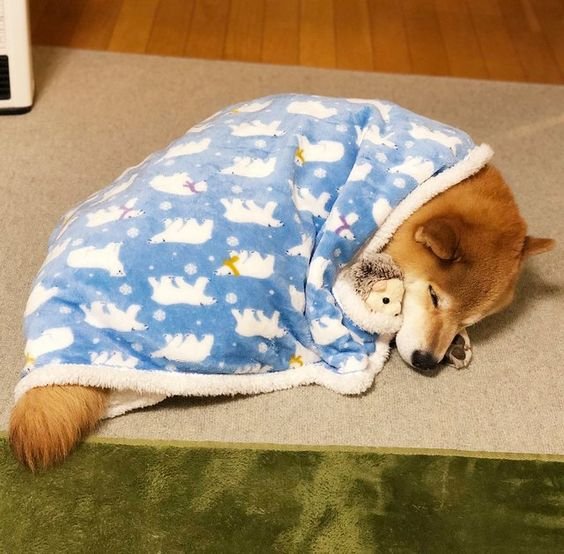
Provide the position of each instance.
(434, 296)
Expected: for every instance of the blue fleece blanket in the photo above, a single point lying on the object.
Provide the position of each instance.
(209, 267)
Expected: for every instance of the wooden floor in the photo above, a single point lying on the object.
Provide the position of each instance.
(518, 40)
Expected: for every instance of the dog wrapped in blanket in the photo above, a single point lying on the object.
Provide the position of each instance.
(213, 266)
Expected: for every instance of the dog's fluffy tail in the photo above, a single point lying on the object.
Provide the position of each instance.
(47, 422)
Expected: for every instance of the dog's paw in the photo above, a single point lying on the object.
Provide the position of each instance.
(459, 353)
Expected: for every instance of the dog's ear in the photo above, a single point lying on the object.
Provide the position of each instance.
(442, 236)
(534, 246)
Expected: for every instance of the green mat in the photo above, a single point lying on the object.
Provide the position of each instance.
(167, 498)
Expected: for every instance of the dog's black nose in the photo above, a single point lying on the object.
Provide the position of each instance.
(423, 360)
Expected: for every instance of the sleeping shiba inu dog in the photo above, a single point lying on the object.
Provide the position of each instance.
(300, 187)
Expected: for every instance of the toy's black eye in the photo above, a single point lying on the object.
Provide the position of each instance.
(434, 296)
(386, 300)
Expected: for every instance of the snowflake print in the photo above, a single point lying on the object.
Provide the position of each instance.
(260, 143)
(191, 269)
(211, 258)
(232, 241)
(95, 340)
(133, 232)
(168, 163)
(263, 347)
(170, 367)
(77, 242)
(64, 310)
(271, 292)
(237, 189)
(341, 128)
(165, 206)
(159, 315)
(231, 298)
(320, 173)
(138, 347)
(337, 252)
(125, 289)
(381, 157)
(409, 144)
(399, 182)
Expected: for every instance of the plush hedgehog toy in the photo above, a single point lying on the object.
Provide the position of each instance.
(378, 281)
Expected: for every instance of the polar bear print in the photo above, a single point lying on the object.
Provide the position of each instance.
(322, 151)
(39, 295)
(187, 231)
(316, 271)
(342, 225)
(381, 210)
(297, 299)
(90, 257)
(422, 132)
(383, 107)
(50, 340)
(415, 167)
(56, 251)
(252, 107)
(313, 108)
(306, 202)
(247, 264)
(351, 365)
(373, 134)
(303, 249)
(256, 128)
(248, 211)
(326, 330)
(68, 221)
(117, 189)
(302, 356)
(360, 171)
(199, 128)
(180, 184)
(250, 167)
(185, 348)
(170, 290)
(188, 148)
(113, 213)
(248, 369)
(254, 323)
(105, 315)
(114, 359)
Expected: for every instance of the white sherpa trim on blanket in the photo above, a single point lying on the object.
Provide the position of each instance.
(358, 311)
(150, 387)
(471, 164)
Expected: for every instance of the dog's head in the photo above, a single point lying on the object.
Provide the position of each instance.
(461, 255)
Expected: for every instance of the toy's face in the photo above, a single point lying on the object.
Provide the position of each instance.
(386, 296)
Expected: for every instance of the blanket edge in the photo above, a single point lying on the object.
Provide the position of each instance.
(150, 387)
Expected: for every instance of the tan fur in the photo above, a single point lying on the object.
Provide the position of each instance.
(481, 240)
(469, 244)
(47, 422)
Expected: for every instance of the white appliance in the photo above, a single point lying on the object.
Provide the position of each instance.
(16, 74)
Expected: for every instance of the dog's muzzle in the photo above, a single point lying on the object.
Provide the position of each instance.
(423, 361)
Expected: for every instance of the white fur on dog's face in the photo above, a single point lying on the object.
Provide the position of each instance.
(424, 327)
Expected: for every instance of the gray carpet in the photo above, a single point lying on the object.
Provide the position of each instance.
(99, 113)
